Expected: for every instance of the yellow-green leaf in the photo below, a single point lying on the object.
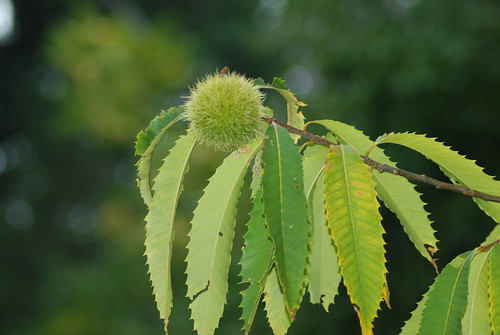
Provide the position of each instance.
(211, 237)
(160, 221)
(324, 272)
(355, 224)
(397, 193)
(314, 164)
(277, 313)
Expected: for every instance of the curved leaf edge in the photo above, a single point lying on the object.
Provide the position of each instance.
(198, 294)
(155, 248)
(256, 218)
(482, 181)
(275, 143)
(146, 144)
(427, 248)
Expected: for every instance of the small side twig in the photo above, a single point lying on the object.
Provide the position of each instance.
(488, 246)
(389, 169)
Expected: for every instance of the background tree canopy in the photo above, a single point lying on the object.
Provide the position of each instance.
(80, 79)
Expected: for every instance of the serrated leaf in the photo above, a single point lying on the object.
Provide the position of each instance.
(324, 272)
(459, 169)
(447, 301)
(476, 320)
(160, 221)
(211, 237)
(386, 295)
(259, 82)
(295, 118)
(156, 127)
(412, 326)
(285, 212)
(397, 193)
(355, 224)
(494, 287)
(256, 183)
(255, 261)
(146, 144)
(277, 313)
(279, 83)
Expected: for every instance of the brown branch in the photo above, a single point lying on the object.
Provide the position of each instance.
(431, 181)
(303, 133)
(488, 246)
(386, 168)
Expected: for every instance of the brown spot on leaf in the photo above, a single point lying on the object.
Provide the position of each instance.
(359, 194)
(356, 308)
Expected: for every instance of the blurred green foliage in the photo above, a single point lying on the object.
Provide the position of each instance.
(116, 72)
(80, 79)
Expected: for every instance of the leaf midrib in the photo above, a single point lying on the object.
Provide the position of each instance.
(453, 295)
(223, 220)
(484, 261)
(282, 212)
(348, 189)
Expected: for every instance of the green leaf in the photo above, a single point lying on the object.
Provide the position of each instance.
(277, 313)
(493, 236)
(146, 144)
(476, 320)
(314, 163)
(255, 261)
(295, 118)
(285, 211)
(447, 301)
(279, 83)
(397, 193)
(259, 82)
(355, 224)
(459, 169)
(156, 127)
(160, 221)
(211, 238)
(256, 183)
(324, 272)
(494, 287)
(412, 326)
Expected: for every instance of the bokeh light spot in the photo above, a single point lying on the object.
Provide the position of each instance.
(6, 21)
(19, 214)
(300, 79)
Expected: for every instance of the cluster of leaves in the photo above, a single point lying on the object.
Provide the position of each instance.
(464, 298)
(315, 222)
